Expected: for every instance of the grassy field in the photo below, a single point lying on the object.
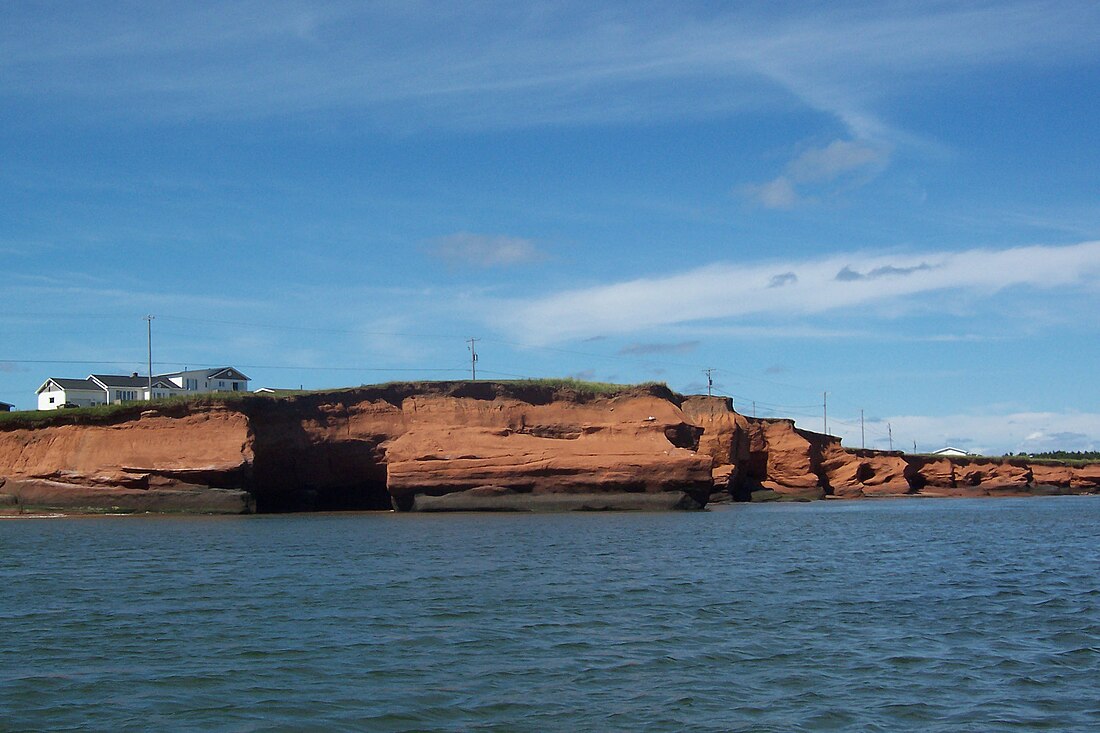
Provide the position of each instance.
(102, 414)
(577, 385)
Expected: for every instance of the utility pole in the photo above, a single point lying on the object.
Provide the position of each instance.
(862, 433)
(914, 446)
(473, 358)
(754, 408)
(825, 410)
(710, 382)
(890, 432)
(149, 341)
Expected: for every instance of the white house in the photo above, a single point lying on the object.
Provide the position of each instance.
(101, 389)
(223, 379)
(950, 451)
(107, 389)
(134, 387)
(56, 392)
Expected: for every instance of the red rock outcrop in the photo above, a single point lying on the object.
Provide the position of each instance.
(369, 447)
(856, 473)
(459, 445)
(772, 459)
(725, 439)
(151, 463)
(792, 459)
(628, 444)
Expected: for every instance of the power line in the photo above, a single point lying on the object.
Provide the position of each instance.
(518, 345)
(211, 365)
(791, 410)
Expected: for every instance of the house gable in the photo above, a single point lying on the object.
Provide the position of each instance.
(54, 384)
(226, 373)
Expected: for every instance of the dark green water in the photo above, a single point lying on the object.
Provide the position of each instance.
(941, 615)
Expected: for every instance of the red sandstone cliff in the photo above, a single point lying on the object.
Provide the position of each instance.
(433, 446)
(782, 461)
(440, 446)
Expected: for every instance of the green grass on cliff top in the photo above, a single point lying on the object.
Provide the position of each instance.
(102, 414)
(578, 385)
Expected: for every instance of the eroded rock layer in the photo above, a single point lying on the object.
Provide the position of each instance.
(466, 446)
(490, 446)
(784, 462)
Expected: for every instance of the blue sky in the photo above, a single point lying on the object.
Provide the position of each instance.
(894, 203)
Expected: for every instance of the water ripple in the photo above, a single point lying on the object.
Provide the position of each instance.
(938, 615)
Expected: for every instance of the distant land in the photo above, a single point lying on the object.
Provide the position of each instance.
(524, 445)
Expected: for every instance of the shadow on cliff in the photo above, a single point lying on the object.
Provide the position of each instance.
(296, 470)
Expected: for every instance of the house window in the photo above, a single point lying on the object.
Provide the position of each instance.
(51, 400)
(236, 386)
(221, 384)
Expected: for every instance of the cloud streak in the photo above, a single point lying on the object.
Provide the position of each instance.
(552, 63)
(840, 159)
(728, 291)
(680, 347)
(484, 250)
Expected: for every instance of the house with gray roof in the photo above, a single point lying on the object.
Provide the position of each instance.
(222, 379)
(108, 389)
(58, 392)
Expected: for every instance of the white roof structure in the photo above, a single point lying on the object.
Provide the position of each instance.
(951, 451)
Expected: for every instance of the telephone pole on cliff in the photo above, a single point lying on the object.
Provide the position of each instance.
(710, 382)
(862, 434)
(473, 358)
(825, 410)
(149, 342)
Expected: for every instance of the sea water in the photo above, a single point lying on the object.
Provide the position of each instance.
(940, 615)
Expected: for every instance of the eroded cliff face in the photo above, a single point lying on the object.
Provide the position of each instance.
(636, 444)
(784, 462)
(442, 446)
(468, 446)
(192, 462)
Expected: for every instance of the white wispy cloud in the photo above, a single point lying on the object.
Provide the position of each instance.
(730, 291)
(81, 298)
(484, 250)
(778, 193)
(839, 159)
(835, 159)
(645, 349)
(529, 64)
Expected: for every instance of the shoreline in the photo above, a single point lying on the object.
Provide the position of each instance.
(592, 504)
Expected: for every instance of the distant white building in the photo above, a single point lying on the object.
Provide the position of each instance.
(108, 389)
(951, 451)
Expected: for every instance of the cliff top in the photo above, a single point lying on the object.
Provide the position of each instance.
(533, 391)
